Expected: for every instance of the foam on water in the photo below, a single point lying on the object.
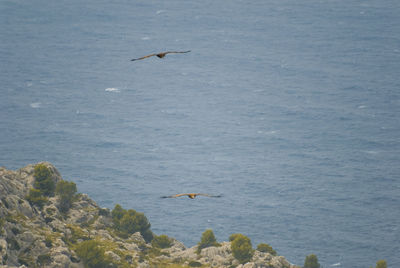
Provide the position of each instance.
(36, 105)
(113, 89)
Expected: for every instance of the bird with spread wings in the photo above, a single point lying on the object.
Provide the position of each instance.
(160, 55)
(191, 195)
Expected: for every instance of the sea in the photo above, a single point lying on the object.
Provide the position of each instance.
(288, 109)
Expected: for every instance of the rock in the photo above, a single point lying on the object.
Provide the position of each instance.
(113, 256)
(250, 265)
(3, 250)
(33, 236)
(137, 238)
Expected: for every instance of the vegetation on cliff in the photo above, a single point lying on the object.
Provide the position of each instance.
(241, 248)
(207, 240)
(45, 223)
(311, 261)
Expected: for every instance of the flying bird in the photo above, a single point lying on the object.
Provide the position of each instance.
(160, 55)
(191, 195)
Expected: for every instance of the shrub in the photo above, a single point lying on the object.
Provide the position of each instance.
(104, 212)
(15, 230)
(13, 244)
(207, 240)
(266, 248)
(161, 241)
(43, 180)
(242, 249)
(130, 222)
(381, 264)
(311, 261)
(35, 197)
(194, 264)
(117, 213)
(92, 254)
(44, 259)
(48, 242)
(66, 190)
(233, 236)
(1, 225)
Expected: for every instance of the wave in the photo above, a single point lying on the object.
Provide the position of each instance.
(36, 105)
(113, 89)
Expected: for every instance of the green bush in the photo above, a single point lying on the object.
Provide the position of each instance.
(381, 264)
(161, 241)
(242, 249)
(266, 248)
(92, 254)
(194, 264)
(117, 213)
(43, 260)
(66, 190)
(43, 180)
(233, 236)
(35, 197)
(1, 225)
(129, 222)
(207, 240)
(311, 261)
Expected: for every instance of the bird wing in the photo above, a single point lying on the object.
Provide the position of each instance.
(195, 194)
(208, 195)
(173, 196)
(141, 58)
(176, 52)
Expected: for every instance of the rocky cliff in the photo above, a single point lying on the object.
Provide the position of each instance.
(44, 236)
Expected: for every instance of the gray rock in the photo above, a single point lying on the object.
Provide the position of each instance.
(29, 232)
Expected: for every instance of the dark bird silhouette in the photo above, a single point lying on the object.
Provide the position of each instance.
(160, 55)
(191, 195)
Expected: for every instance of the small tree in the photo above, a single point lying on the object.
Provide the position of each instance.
(233, 236)
(311, 261)
(207, 240)
(92, 254)
(43, 180)
(161, 241)
(66, 190)
(130, 221)
(35, 197)
(381, 264)
(117, 213)
(242, 249)
(266, 248)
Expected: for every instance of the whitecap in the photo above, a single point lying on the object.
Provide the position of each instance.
(336, 264)
(371, 152)
(362, 107)
(36, 105)
(160, 11)
(145, 38)
(112, 89)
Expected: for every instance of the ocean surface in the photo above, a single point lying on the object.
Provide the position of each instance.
(289, 109)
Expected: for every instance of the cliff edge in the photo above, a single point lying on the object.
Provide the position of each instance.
(50, 234)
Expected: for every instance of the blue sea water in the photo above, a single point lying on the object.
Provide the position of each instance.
(289, 109)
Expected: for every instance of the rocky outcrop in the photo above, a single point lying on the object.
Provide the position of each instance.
(32, 236)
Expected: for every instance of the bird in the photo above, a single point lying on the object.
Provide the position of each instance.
(190, 195)
(160, 55)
